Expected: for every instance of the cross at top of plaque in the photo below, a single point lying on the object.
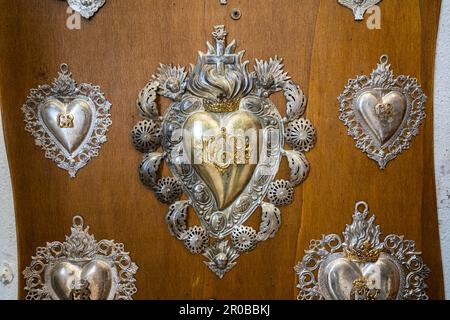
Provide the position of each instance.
(220, 58)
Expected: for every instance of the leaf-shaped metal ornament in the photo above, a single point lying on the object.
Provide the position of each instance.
(223, 140)
(146, 102)
(296, 101)
(81, 268)
(176, 219)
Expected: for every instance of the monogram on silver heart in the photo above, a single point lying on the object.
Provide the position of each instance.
(68, 122)
(359, 7)
(86, 8)
(81, 268)
(362, 267)
(222, 138)
(383, 113)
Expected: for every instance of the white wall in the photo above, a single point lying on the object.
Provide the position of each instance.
(8, 243)
(8, 250)
(442, 136)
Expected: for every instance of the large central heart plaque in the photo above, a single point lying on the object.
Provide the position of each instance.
(68, 121)
(362, 267)
(383, 113)
(81, 268)
(223, 141)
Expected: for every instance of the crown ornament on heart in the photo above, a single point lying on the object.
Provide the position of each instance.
(223, 141)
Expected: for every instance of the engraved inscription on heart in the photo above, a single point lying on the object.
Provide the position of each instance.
(226, 182)
(97, 273)
(338, 276)
(69, 123)
(382, 113)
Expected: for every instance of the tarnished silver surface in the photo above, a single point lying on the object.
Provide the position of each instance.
(383, 113)
(86, 8)
(68, 122)
(222, 138)
(359, 7)
(362, 267)
(81, 268)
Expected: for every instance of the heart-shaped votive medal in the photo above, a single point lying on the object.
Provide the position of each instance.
(81, 268)
(383, 113)
(68, 122)
(363, 266)
(222, 139)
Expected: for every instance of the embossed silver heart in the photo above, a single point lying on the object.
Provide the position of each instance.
(227, 184)
(337, 276)
(69, 136)
(381, 124)
(97, 273)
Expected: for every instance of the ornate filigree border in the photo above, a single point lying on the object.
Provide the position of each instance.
(65, 87)
(383, 78)
(222, 237)
(361, 243)
(80, 246)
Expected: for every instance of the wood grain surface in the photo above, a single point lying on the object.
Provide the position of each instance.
(121, 47)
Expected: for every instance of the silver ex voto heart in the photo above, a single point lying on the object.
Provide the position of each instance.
(81, 268)
(68, 122)
(383, 114)
(222, 138)
(362, 267)
(86, 8)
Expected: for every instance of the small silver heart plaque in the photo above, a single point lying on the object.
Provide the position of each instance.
(81, 268)
(68, 122)
(383, 113)
(362, 267)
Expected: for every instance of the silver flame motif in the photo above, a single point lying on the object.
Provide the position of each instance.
(220, 95)
(81, 268)
(362, 267)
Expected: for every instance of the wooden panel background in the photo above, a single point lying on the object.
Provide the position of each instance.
(121, 47)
